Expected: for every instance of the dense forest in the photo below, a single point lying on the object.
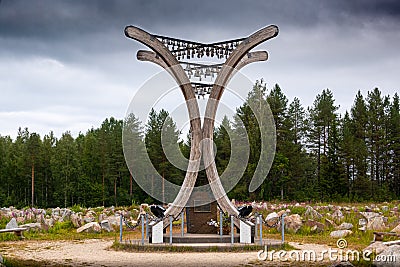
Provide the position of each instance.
(321, 155)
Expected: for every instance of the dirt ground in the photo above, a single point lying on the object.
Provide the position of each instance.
(94, 252)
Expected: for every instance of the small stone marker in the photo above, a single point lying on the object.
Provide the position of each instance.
(157, 234)
(12, 224)
(245, 232)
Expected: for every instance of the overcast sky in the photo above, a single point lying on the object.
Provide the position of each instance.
(66, 65)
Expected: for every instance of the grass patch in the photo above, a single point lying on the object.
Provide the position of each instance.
(16, 262)
(136, 247)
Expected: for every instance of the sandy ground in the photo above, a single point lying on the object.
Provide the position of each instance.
(97, 253)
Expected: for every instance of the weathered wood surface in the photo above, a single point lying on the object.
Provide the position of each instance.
(176, 70)
(228, 69)
(239, 58)
(17, 231)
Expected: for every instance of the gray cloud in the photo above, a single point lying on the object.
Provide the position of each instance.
(70, 59)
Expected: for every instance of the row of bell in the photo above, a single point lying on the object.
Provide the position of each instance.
(199, 72)
(202, 91)
(184, 45)
(200, 52)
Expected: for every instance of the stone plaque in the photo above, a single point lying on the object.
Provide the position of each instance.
(245, 232)
(157, 234)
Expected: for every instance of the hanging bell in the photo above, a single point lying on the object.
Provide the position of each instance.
(208, 72)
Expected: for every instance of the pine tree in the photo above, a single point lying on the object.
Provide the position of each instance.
(376, 138)
(322, 116)
(394, 145)
(161, 131)
(64, 167)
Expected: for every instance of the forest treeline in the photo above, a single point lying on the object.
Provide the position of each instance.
(321, 155)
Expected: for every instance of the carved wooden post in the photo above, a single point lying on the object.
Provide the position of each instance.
(237, 54)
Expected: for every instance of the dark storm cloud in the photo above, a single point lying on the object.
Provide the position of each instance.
(67, 29)
(65, 58)
(51, 19)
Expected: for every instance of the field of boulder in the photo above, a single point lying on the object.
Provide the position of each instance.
(304, 223)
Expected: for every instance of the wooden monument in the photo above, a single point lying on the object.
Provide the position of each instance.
(169, 53)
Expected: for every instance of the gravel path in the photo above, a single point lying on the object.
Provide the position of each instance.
(96, 252)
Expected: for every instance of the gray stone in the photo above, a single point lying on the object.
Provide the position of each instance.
(88, 219)
(56, 218)
(369, 215)
(312, 213)
(272, 219)
(362, 222)
(341, 264)
(376, 247)
(376, 224)
(337, 215)
(12, 224)
(330, 223)
(390, 257)
(32, 226)
(114, 220)
(315, 226)
(340, 233)
(292, 223)
(66, 214)
(102, 217)
(363, 229)
(396, 229)
(49, 222)
(106, 226)
(76, 221)
(345, 226)
(56, 211)
(92, 227)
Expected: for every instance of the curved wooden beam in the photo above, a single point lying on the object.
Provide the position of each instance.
(226, 73)
(238, 59)
(165, 59)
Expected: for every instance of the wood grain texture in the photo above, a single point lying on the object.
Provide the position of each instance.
(228, 70)
(239, 58)
(165, 59)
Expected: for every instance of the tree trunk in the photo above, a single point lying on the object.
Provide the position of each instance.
(115, 191)
(33, 184)
(103, 188)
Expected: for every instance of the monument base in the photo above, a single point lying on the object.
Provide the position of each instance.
(200, 213)
(200, 239)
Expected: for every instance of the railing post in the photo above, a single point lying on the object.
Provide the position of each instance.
(142, 219)
(283, 228)
(147, 225)
(256, 226)
(120, 228)
(261, 223)
(221, 222)
(182, 223)
(170, 230)
(232, 234)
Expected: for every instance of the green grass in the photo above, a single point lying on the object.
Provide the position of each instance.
(136, 247)
(60, 231)
(13, 262)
